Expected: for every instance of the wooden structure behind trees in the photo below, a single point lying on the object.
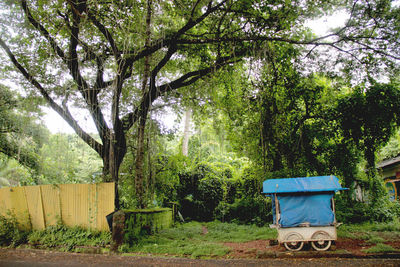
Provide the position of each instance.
(389, 170)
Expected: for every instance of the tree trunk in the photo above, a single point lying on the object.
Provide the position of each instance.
(113, 154)
(139, 176)
(186, 132)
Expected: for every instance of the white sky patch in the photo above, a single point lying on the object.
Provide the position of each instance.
(323, 25)
(56, 124)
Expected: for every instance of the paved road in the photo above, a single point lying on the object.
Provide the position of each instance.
(25, 258)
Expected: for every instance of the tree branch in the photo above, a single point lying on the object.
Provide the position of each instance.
(63, 113)
(166, 42)
(185, 80)
(106, 33)
(43, 31)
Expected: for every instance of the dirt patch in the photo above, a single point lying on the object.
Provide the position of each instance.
(262, 248)
(204, 230)
(353, 246)
(251, 249)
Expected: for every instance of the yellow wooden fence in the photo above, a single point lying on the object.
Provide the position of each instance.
(36, 207)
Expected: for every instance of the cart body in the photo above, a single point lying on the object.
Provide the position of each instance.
(304, 210)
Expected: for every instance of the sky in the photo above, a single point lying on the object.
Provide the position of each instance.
(56, 124)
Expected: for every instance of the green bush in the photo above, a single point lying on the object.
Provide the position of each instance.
(10, 235)
(350, 211)
(67, 239)
(255, 210)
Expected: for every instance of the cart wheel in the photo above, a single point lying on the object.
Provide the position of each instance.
(322, 244)
(294, 245)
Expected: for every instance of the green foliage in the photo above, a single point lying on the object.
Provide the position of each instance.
(12, 173)
(30, 155)
(200, 192)
(171, 170)
(248, 210)
(65, 158)
(391, 149)
(67, 239)
(10, 235)
(361, 122)
(20, 135)
(351, 211)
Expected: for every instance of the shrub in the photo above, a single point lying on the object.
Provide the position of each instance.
(67, 239)
(350, 211)
(256, 210)
(10, 235)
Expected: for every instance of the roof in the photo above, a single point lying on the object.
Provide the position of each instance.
(302, 184)
(388, 162)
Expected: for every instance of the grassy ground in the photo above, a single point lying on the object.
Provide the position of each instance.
(196, 239)
(375, 234)
(190, 239)
(201, 240)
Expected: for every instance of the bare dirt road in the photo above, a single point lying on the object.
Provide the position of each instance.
(28, 257)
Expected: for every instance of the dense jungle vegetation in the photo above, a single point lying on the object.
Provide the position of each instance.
(257, 94)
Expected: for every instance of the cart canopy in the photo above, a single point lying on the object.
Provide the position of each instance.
(303, 200)
(301, 185)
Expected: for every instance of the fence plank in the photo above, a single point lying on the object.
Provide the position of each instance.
(51, 204)
(5, 202)
(92, 206)
(105, 204)
(19, 207)
(35, 207)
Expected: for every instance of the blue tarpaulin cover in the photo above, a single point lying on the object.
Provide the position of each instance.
(303, 184)
(315, 209)
(303, 200)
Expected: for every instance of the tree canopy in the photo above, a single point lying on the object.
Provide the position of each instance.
(118, 59)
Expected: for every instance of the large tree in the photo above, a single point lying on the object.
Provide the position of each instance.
(116, 58)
